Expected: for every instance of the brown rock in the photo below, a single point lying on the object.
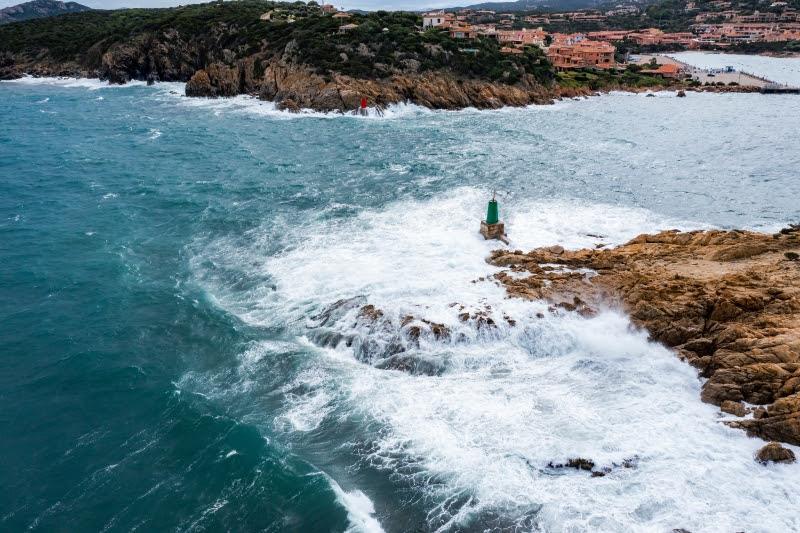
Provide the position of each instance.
(775, 453)
(728, 301)
(200, 85)
(733, 408)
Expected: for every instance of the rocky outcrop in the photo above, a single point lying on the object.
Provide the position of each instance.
(212, 70)
(775, 453)
(728, 302)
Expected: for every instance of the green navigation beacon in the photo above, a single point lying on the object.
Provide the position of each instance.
(492, 228)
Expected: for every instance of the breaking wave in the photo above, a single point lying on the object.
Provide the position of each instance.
(471, 400)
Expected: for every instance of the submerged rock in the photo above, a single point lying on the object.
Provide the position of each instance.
(588, 465)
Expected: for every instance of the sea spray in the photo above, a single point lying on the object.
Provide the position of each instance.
(477, 435)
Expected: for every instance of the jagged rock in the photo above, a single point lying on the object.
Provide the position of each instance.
(727, 301)
(370, 312)
(288, 105)
(200, 85)
(216, 80)
(775, 453)
(733, 408)
(579, 463)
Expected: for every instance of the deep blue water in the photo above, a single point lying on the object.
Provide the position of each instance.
(150, 245)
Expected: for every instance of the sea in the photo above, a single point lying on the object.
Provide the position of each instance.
(182, 342)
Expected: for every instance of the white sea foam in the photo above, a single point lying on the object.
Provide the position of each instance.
(359, 510)
(249, 105)
(91, 84)
(477, 438)
(71, 83)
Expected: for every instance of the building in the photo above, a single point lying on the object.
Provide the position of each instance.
(582, 54)
(653, 36)
(463, 32)
(437, 19)
(526, 37)
(567, 38)
(511, 51)
(328, 9)
(341, 15)
(665, 70)
(537, 19)
(347, 27)
(608, 35)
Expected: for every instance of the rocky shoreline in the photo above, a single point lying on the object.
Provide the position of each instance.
(293, 87)
(727, 302)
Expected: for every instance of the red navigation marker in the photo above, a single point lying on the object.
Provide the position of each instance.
(363, 103)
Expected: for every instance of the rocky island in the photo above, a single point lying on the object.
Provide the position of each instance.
(727, 302)
(302, 56)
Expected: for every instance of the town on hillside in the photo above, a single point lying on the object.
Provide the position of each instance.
(715, 26)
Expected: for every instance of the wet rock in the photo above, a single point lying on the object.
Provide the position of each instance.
(578, 463)
(215, 80)
(727, 301)
(288, 105)
(200, 85)
(337, 310)
(370, 312)
(412, 364)
(775, 453)
(733, 408)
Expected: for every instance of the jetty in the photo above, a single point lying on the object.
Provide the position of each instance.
(716, 76)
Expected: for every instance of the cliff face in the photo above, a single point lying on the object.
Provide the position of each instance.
(219, 72)
(293, 87)
(728, 302)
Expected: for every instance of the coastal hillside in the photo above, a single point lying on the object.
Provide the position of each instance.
(548, 5)
(39, 9)
(299, 55)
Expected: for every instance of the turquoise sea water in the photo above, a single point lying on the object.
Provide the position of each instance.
(166, 265)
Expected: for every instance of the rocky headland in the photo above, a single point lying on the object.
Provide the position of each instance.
(727, 302)
(299, 58)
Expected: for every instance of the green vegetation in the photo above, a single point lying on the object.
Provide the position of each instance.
(604, 80)
(375, 45)
(384, 42)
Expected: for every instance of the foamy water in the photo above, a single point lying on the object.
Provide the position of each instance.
(208, 260)
(476, 438)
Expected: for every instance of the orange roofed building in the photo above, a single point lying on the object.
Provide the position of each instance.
(667, 70)
(582, 54)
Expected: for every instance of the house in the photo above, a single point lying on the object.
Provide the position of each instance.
(526, 37)
(341, 15)
(463, 32)
(608, 35)
(347, 27)
(510, 50)
(567, 38)
(582, 54)
(328, 9)
(437, 19)
(666, 70)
